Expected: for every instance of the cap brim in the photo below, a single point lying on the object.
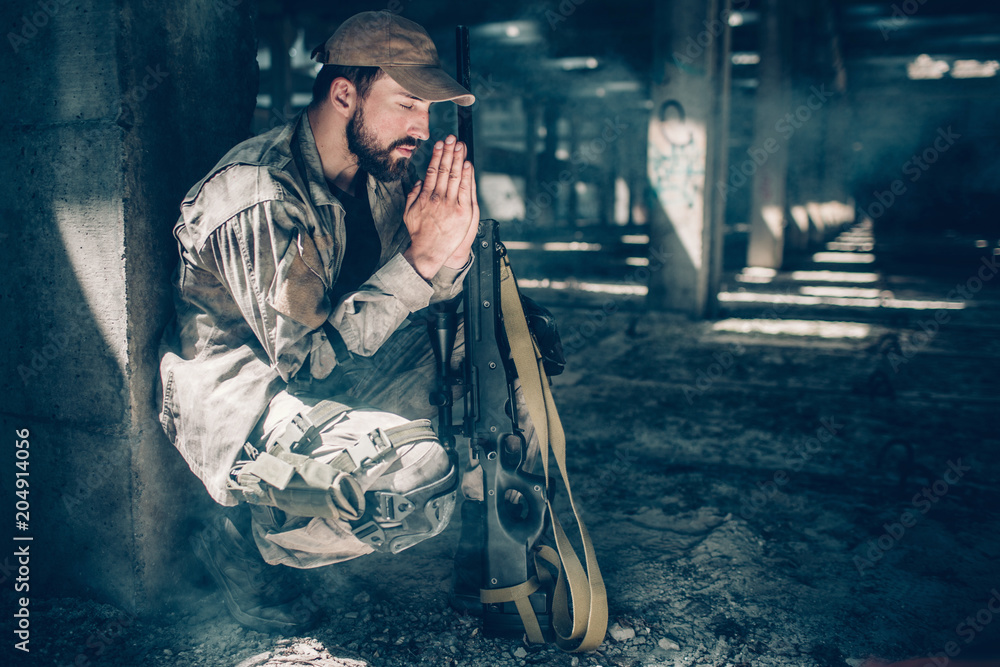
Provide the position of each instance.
(430, 83)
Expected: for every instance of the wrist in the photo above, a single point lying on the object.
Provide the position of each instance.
(424, 265)
(458, 261)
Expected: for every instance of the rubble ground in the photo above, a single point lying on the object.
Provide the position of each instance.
(755, 500)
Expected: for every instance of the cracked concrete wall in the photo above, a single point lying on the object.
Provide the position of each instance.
(113, 109)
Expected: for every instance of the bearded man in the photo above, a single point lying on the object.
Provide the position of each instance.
(297, 372)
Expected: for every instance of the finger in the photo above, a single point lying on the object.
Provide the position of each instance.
(468, 201)
(412, 196)
(447, 160)
(475, 199)
(463, 190)
(457, 177)
(434, 167)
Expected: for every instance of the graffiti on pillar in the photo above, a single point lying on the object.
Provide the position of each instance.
(677, 158)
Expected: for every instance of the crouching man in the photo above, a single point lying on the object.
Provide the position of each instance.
(295, 379)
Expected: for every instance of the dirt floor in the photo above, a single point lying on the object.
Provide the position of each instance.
(808, 498)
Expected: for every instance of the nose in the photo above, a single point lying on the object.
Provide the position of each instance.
(420, 126)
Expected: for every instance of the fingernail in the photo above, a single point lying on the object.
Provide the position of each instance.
(460, 146)
(468, 165)
(439, 145)
(450, 139)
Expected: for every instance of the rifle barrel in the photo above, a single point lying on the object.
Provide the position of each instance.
(464, 60)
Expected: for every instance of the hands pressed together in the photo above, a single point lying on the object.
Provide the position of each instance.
(442, 213)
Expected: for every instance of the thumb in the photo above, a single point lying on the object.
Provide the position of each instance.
(413, 194)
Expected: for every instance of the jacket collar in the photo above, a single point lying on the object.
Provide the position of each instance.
(319, 192)
(386, 199)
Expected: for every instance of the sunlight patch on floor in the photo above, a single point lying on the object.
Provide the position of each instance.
(817, 328)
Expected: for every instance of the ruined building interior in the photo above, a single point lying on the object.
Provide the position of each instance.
(768, 230)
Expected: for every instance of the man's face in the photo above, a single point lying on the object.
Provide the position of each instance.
(386, 128)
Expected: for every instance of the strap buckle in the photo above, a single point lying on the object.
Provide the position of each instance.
(371, 534)
(393, 506)
(369, 450)
(299, 430)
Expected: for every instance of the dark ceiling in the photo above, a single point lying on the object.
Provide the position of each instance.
(877, 40)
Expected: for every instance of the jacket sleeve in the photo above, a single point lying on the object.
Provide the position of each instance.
(274, 269)
(365, 319)
(278, 271)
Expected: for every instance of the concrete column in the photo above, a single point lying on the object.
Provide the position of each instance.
(547, 163)
(685, 135)
(769, 196)
(572, 199)
(532, 112)
(280, 35)
(838, 149)
(114, 108)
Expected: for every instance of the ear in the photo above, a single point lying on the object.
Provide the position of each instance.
(342, 97)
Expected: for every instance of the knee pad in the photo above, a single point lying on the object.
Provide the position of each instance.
(395, 487)
(413, 500)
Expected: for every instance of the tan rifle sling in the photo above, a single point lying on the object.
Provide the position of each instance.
(579, 601)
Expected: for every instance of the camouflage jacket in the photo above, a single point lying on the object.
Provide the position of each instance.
(261, 242)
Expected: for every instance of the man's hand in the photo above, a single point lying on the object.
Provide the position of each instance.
(442, 212)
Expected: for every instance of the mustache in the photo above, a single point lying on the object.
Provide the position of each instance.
(407, 142)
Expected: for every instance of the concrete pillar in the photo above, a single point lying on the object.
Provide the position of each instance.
(113, 108)
(572, 199)
(838, 149)
(816, 181)
(769, 196)
(686, 134)
(532, 113)
(548, 164)
(607, 186)
(280, 35)
(808, 122)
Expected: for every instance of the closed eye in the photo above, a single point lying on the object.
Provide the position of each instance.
(406, 107)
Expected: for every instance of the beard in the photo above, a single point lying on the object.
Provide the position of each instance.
(372, 158)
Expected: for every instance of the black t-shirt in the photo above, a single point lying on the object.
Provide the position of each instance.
(364, 247)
